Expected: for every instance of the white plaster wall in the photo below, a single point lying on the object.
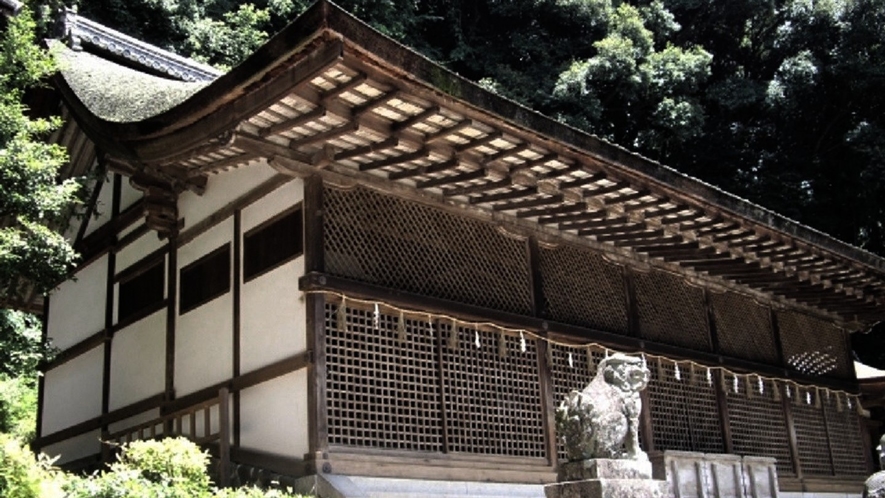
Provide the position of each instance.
(272, 311)
(72, 391)
(273, 416)
(128, 194)
(204, 335)
(221, 190)
(138, 249)
(138, 361)
(204, 346)
(104, 206)
(75, 448)
(77, 306)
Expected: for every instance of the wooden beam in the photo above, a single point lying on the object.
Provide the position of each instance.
(645, 241)
(415, 119)
(424, 170)
(325, 136)
(506, 153)
(475, 188)
(630, 234)
(606, 190)
(612, 230)
(455, 128)
(531, 163)
(732, 236)
(580, 182)
(571, 216)
(679, 219)
(487, 139)
(528, 203)
(383, 99)
(594, 223)
(503, 196)
(394, 160)
(351, 84)
(300, 120)
(707, 232)
(641, 206)
(626, 198)
(697, 225)
(460, 177)
(551, 211)
(387, 143)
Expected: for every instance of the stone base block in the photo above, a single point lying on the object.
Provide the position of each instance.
(604, 468)
(608, 488)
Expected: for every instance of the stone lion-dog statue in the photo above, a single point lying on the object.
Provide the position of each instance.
(602, 421)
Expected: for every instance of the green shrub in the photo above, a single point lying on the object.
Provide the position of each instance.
(24, 476)
(18, 407)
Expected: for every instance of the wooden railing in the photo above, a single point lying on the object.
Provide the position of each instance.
(183, 423)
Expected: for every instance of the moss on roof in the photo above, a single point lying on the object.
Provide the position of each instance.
(119, 94)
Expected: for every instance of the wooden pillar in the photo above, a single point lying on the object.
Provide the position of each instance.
(791, 431)
(316, 374)
(314, 248)
(223, 437)
(724, 417)
(545, 377)
(237, 293)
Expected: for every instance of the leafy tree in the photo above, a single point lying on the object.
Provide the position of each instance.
(32, 201)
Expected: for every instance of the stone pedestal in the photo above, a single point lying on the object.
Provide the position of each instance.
(604, 478)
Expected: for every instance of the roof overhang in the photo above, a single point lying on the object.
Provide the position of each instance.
(330, 95)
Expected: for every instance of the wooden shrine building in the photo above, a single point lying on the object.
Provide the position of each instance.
(376, 268)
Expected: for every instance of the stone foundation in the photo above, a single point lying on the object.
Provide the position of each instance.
(604, 478)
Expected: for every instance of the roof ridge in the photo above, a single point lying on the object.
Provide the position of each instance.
(81, 31)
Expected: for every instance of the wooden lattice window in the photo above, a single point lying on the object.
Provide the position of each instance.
(813, 346)
(412, 387)
(811, 433)
(846, 436)
(388, 241)
(492, 394)
(581, 288)
(671, 311)
(743, 328)
(684, 409)
(382, 386)
(757, 421)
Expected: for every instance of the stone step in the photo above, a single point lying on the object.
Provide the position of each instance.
(378, 487)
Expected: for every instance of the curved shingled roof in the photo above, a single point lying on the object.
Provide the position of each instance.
(118, 94)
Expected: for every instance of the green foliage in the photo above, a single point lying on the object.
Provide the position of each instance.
(31, 199)
(18, 407)
(24, 476)
(168, 468)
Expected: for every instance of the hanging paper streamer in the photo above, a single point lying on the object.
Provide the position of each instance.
(736, 384)
(341, 317)
(761, 386)
(787, 390)
(522, 346)
(376, 318)
(676, 372)
(476, 339)
(709, 378)
(502, 345)
(807, 397)
(401, 327)
(848, 401)
(571, 360)
(591, 365)
(430, 325)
